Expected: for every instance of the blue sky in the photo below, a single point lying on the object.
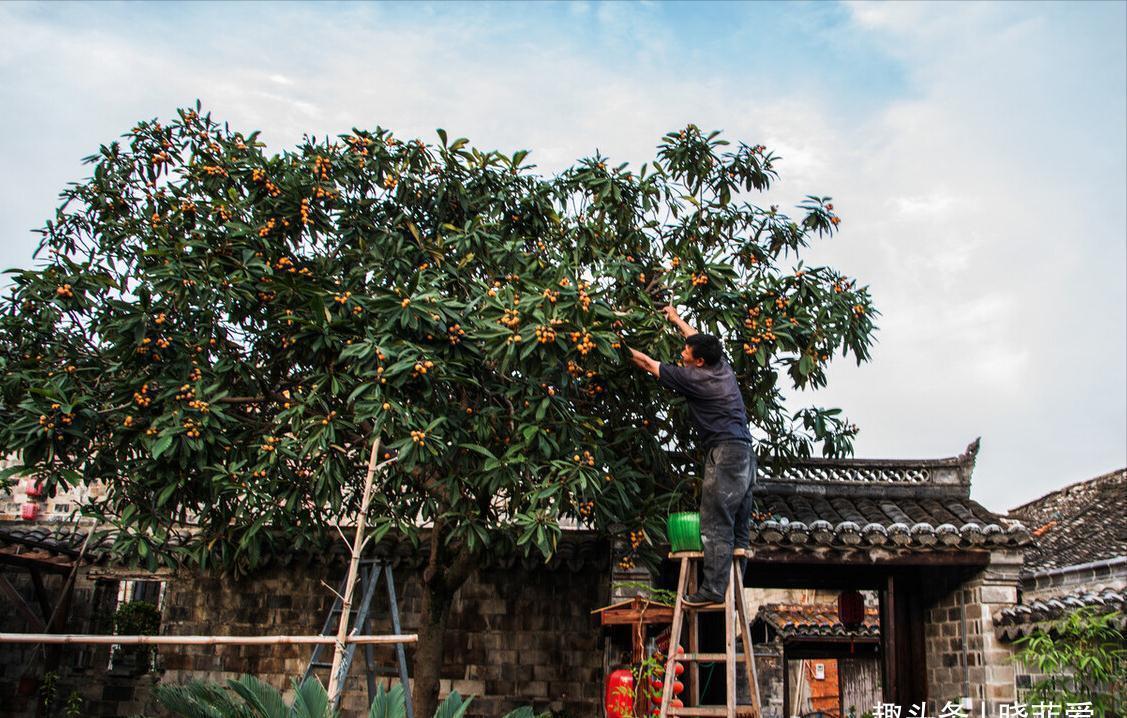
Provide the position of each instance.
(977, 151)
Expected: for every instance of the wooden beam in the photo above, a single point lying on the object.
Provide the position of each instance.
(102, 639)
(857, 641)
(870, 556)
(840, 650)
(21, 605)
(888, 642)
(122, 573)
(618, 617)
(40, 593)
(795, 573)
(914, 636)
(786, 681)
(42, 560)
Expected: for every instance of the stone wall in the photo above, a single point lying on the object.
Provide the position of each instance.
(1061, 582)
(84, 670)
(516, 636)
(1047, 584)
(769, 671)
(989, 671)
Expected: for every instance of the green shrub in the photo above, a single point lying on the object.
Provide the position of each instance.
(136, 618)
(1083, 657)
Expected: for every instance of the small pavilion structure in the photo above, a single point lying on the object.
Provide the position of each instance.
(939, 565)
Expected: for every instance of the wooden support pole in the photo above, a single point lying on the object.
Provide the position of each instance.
(198, 640)
(40, 593)
(336, 682)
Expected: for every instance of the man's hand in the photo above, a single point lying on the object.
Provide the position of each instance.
(671, 314)
(644, 361)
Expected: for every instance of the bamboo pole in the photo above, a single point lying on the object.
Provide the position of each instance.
(336, 683)
(198, 640)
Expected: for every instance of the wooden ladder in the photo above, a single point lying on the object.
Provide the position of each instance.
(362, 620)
(735, 609)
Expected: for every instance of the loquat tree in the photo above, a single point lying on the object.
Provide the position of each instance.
(215, 333)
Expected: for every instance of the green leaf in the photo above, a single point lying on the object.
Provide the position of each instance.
(453, 706)
(479, 449)
(264, 699)
(161, 445)
(388, 704)
(311, 700)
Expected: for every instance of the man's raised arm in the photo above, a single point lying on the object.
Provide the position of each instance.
(671, 314)
(645, 361)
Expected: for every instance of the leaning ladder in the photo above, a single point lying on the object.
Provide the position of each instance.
(735, 609)
(362, 621)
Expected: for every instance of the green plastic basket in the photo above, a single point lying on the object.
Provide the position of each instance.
(684, 531)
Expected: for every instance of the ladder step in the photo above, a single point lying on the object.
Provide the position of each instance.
(704, 609)
(740, 552)
(385, 671)
(710, 711)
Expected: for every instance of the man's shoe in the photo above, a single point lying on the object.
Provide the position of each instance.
(701, 599)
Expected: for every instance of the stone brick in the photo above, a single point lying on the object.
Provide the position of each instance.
(1000, 692)
(469, 688)
(999, 594)
(533, 689)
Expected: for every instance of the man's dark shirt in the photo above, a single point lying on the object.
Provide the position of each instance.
(715, 404)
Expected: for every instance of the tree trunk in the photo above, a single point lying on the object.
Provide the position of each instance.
(429, 651)
(444, 575)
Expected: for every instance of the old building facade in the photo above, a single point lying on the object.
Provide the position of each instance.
(937, 567)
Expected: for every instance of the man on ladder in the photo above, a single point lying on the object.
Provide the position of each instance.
(707, 382)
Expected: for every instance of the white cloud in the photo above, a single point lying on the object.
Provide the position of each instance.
(922, 207)
(983, 200)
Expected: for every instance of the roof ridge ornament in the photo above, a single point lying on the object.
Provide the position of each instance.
(968, 459)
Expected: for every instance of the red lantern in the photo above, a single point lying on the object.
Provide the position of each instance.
(28, 512)
(851, 608)
(619, 701)
(34, 488)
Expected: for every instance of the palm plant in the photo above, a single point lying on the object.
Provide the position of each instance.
(249, 697)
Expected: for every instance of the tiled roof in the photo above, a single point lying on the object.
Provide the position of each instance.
(875, 520)
(576, 550)
(65, 541)
(56, 545)
(1065, 522)
(815, 620)
(912, 505)
(807, 505)
(1016, 621)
